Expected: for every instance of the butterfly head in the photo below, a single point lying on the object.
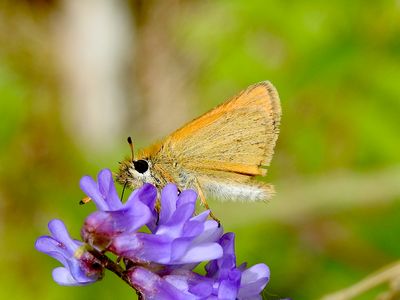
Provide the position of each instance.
(134, 173)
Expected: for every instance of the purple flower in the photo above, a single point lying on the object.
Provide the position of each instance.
(232, 280)
(114, 217)
(179, 238)
(159, 260)
(79, 268)
(223, 279)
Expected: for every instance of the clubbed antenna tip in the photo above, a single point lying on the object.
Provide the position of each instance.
(132, 148)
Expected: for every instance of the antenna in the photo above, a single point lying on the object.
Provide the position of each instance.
(132, 148)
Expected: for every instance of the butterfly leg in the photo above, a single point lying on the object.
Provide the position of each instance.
(157, 206)
(204, 201)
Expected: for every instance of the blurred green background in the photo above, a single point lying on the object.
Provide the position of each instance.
(78, 77)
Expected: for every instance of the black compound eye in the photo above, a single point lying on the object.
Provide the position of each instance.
(141, 165)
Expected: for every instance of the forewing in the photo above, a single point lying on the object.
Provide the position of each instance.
(238, 136)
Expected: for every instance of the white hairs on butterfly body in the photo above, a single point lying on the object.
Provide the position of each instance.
(237, 191)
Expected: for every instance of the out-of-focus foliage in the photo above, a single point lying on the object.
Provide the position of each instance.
(336, 65)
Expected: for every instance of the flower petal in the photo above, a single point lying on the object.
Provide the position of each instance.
(227, 242)
(201, 217)
(186, 196)
(90, 187)
(212, 268)
(147, 195)
(107, 189)
(203, 289)
(142, 247)
(193, 229)
(254, 281)
(50, 246)
(227, 290)
(174, 226)
(156, 288)
(203, 252)
(178, 281)
(63, 277)
(169, 197)
(178, 249)
(211, 233)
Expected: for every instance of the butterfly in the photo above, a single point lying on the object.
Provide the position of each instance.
(218, 154)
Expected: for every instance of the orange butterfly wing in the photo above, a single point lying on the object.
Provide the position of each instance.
(237, 136)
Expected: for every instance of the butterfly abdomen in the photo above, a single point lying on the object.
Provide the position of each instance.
(235, 191)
